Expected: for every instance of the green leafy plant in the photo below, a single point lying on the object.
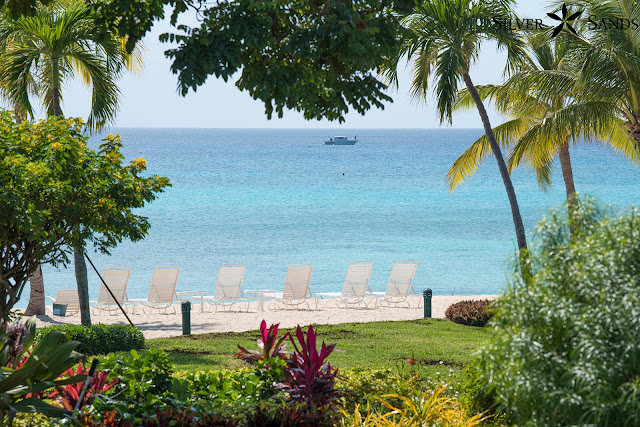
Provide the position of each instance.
(100, 339)
(430, 409)
(27, 371)
(140, 373)
(564, 349)
(470, 312)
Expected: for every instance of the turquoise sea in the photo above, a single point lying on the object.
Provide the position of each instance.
(269, 198)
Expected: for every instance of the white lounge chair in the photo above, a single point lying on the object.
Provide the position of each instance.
(296, 288)
(162, 292)
(355, 290)
(228, 290)
(117, 278)
(68, 297)
(400, 284)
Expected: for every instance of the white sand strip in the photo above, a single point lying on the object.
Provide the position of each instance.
(166, 325)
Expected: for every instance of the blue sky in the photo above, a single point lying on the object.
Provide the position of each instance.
(150, 99)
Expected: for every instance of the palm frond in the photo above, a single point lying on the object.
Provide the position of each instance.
(467, 164)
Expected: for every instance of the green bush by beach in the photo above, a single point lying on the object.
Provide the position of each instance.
(564, 349)
(470, 313)
(100, 338)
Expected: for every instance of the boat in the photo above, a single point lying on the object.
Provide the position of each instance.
(341, 140)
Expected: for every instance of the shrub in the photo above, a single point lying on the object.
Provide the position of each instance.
(470, 312)
(27, 371)
(430, 409)
(139, 373)
(100, 339)
(564, 349)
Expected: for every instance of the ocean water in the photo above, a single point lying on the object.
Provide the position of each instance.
(269, 198)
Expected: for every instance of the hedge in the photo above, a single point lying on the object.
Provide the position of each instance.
(100, 338)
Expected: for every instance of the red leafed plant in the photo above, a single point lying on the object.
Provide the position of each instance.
(309, 379)
(68, 395)
(269, 343)
(470, 313)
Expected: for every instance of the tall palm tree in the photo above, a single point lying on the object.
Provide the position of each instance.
(443, 42)
(543, 123)
(39, 54)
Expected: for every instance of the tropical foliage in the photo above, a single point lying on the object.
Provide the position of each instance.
(564, 346)
(610, 59)
(42, 51)
(432, 409)
(56, 192)
(542, 124)
(27, 371)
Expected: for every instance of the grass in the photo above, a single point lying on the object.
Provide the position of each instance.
(373, 345)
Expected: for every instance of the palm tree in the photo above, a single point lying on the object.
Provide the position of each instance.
(610, 59)
(39, 54)
(543, 123)
(443, 41)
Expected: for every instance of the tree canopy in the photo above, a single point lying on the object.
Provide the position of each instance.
(320, 58)
(57, 192)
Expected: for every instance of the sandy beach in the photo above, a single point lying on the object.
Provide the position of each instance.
(166, 325)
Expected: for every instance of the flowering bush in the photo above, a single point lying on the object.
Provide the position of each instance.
(470, 312)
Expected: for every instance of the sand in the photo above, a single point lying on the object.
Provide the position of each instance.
(167, 325)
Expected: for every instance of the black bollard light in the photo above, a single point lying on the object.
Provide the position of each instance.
(426, 294)
(186, 317)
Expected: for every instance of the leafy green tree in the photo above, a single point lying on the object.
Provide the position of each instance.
(319, 58)
(443, 43)
(41, 51)
(57, 194)
(541, 126)
(564, 345)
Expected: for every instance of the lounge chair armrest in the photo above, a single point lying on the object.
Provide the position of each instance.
(52, 299)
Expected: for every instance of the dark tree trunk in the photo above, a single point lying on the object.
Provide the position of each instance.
(83, 285)
(504, 172)
(567, 175)
(36, 298)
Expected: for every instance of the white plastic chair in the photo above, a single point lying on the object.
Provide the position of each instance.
(400, 284)
(117, 278)
(296, 288)
(228, 291)
(356, 286)
(162, 291)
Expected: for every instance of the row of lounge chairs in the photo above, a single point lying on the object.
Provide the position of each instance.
(228, 292)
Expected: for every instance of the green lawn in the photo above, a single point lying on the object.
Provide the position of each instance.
(374, 345)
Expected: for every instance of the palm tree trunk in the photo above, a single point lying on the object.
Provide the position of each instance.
(83, 285)
(36, 298)
(55, 87)
(504, 172)
(567, 175)
(78, 250)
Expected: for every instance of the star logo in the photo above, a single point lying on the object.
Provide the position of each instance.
(565, 20)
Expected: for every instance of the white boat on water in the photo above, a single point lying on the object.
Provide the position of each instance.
(341, 140)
